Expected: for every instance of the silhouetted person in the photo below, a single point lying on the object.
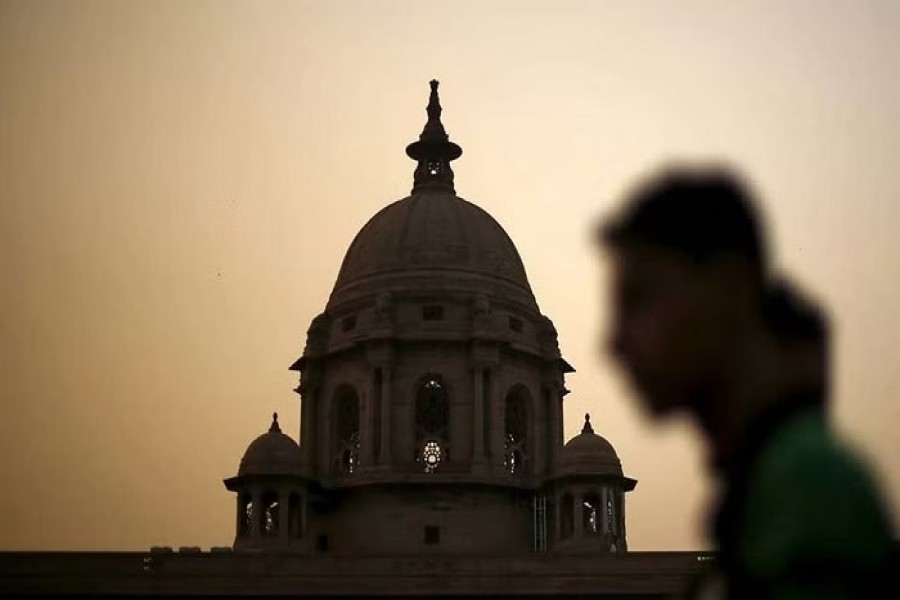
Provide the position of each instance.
(700, 325)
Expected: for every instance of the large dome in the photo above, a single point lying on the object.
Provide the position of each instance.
(436, 236)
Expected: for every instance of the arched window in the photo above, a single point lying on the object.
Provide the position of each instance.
(567, 516)
(432, 423)
(591, 514)
(515, 440)
(346, 430)
(269, 524)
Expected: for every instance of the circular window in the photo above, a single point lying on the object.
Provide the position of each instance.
(431, 456)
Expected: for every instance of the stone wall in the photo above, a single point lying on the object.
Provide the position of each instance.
(634, 575)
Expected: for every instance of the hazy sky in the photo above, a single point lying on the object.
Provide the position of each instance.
(179, 182)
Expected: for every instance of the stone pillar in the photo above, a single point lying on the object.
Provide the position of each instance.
(304, 500)
(308, 434)
(478, 415)
(303, 438)
(554, 438)
(283, 514)
(615, 508)
(557, 525)
(366, 432)
(604, 498)
(496, 407)
(257, 513)
(384, 452)
(240, 514)
(579, 513)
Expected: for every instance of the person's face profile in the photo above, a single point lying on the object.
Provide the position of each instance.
(661, 325)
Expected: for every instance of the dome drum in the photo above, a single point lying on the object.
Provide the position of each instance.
(420, 317)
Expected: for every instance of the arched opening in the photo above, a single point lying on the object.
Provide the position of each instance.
(269, 524)
(516, 425)
(294, 516)
(590, 520)
(432, 423)
(245, 506)
(567, 516)
(346, 430)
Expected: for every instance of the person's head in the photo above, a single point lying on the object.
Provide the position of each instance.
(688, 275)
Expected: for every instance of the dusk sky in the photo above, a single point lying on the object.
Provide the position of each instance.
(179, 182)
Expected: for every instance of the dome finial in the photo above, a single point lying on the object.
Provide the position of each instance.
(587, 424)
(275, 427)
(434, 150)
(434, 129)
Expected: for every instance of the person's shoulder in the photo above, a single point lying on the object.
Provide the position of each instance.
(805, 458)
(811, 498)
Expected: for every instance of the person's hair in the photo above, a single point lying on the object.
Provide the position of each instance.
(699, 213)
(793, 318)
(797, 322)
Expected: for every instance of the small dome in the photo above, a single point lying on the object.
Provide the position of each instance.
(272, 453)
(589, 453)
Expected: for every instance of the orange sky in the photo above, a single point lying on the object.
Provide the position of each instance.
(179, 182)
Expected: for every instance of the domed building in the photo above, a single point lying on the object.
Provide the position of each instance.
(430, 459)
(431, 401)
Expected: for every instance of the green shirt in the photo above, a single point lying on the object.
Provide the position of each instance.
(812, 523)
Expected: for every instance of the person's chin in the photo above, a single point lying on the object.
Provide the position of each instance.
(652, 398)
(658, 405)
(659, 410)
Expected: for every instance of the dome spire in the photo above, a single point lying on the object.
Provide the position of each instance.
(434, 150)
(587, 424)
(274, 427)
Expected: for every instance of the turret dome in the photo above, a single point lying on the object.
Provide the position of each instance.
(272, 453)
(589, 453)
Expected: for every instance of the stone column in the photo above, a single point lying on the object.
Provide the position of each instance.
(283, 514)
(604, 498)
(557, 518)
(257, 513)
(240, 514)
(554, 438)
(557, 392)
(303, 438)
(308, 433)
(384, 452)
(366, 432)
(478, 415)
(579, 513)
(304, 500)
(496, 407)
(615, 509)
